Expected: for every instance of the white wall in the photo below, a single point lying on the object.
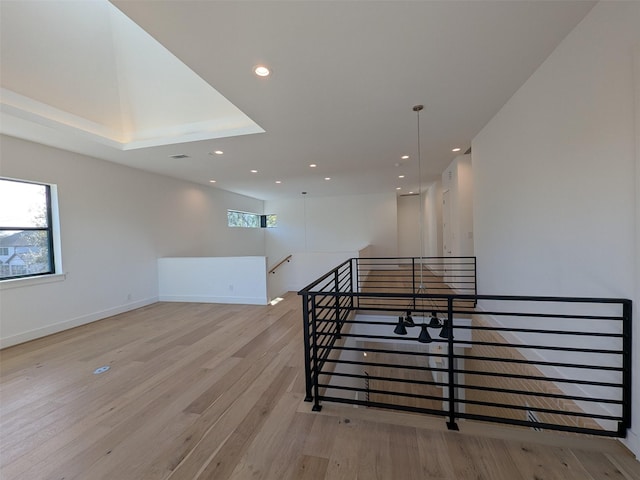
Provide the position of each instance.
(322, 232)
(457, 179)
(332, 224)
(213, 280)
(433, 220)
(191, 220)
(409, 223)
(115, 223)
(409, 226)
(555, 174)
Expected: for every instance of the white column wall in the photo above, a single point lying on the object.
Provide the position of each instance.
(115, 222)
(409, 226)
(321, 232)
(332, 224)
(556, 175)
(433, 220)
(458, 180)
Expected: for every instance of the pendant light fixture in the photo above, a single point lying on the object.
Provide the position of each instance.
(446, 330)
(408, 320)
(400, 328)
(424, 336)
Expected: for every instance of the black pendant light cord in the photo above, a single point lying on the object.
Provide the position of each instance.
(417, 109)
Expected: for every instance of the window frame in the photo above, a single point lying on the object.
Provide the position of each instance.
(265, 220)
(262, 219)
(49, 229)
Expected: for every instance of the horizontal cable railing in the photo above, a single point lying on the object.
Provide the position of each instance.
(560, 363)
(442, 275)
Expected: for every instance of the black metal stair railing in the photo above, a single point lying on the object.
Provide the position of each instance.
(559, 363)
(413, 275)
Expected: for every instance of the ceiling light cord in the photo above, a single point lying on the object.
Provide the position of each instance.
(417, 109)
(304, 214)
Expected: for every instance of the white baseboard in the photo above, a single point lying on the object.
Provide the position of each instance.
(214, 299)
(74, 322)
(632, 442)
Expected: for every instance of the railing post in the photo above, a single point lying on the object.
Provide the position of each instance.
(413, 280)
(351, 279)
(307, 348)
(337, 306)
(475, 281)
(316, 364)
(626, 367)
(451, 424)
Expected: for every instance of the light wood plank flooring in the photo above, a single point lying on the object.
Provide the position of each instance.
(201, 391)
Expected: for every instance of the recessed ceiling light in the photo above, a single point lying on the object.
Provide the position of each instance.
(400, 176)
(327, 178)
(313, 165)
(278, 181)
(457, 149)
(218, 152)
(404, 157)
(410, 193)
(398, 188)
(261, 71)
(212, 181)
(254, 171)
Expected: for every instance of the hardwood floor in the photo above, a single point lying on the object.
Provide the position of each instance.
(201, 391)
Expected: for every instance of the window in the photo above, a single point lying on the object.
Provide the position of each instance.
(18, 270)
(243, 219)
(250, 220)
(26, 233)
(271, 220)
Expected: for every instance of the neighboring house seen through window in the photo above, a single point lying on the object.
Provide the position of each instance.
(26, 233)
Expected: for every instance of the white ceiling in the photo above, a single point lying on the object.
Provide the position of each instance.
(93, 72)
(346, 75)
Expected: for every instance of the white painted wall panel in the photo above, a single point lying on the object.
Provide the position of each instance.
(213, 280)
(115, 222)
(322, 232)
(556, 178)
